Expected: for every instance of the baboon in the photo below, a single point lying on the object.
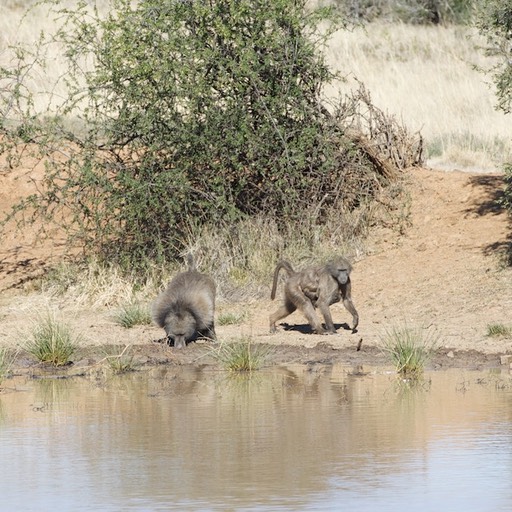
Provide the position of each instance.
(186, 307)
(315, 287)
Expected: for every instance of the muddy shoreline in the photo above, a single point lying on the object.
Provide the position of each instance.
(88, 360)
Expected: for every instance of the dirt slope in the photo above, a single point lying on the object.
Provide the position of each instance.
(444, 273)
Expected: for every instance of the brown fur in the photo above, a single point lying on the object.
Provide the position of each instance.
(185, 309)
(315, 287)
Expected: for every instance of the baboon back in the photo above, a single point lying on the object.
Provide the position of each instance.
(186, 307)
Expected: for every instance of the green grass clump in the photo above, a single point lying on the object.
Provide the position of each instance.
(497, 330)
(52, 342)
(133, 313)
(231, 318)
(241, 356)
(119, 361)
(409, 350)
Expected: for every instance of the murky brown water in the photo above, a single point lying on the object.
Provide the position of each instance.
(286, 439)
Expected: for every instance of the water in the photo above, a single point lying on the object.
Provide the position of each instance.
(294, 438)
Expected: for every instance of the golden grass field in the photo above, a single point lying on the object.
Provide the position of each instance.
(426, 76)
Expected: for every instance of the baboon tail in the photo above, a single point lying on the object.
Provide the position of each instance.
(191, 263)
(289, 269)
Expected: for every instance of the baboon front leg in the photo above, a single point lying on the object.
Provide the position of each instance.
(346, 293)
(286, 309)
(326, 313)
(208, 333)
(309, 312)
(349, 305)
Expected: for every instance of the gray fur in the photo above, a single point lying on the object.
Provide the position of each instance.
(315, 288)
(185, 309)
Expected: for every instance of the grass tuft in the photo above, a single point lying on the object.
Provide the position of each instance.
(231, 318)
(498, 330)
(133, 313)
(241, 356)
(52, 342)
(119, 362)
(6, 360)
(409, 350)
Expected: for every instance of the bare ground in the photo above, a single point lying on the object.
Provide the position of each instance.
(446, 274)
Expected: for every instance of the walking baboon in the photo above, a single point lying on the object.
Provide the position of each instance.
(186, 307)
(315, 287)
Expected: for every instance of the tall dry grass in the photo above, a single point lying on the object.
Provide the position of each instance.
(427, 76)
(240, 259)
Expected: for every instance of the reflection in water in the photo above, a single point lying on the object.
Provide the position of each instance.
(297, 438)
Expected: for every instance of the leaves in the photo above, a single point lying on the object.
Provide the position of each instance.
(187, 113)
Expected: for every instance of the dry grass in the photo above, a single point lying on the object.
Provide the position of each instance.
(426, 77)
(95, 285)
(23, 22)
(240, 258)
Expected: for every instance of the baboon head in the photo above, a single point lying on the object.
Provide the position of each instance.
(340, 269)
(180, 327)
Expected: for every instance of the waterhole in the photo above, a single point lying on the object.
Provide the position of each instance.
(296, 438)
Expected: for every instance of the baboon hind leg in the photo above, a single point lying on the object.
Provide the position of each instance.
(304, 304)
(286, 309)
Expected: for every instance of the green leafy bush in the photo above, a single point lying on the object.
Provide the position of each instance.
(182, 114)
(494, 22)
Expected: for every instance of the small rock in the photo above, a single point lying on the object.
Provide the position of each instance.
(450, 354)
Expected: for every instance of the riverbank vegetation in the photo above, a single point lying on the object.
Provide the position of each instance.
(275, 131)
(409, 349)
(52, 341)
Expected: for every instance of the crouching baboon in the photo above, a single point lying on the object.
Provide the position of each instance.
(315, 287)
(185, 308)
